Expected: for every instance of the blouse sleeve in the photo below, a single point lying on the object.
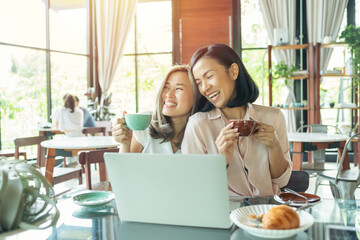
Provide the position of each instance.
(193, 142)
(281, 134)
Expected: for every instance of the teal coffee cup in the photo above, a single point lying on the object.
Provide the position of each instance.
(137, 121)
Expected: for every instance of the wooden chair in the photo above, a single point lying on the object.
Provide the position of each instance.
(29, 141)
(96, 156)
(16, 153)
(11, 153)
(106, 124)
(343, 183)
(93, 130)
(58, 174)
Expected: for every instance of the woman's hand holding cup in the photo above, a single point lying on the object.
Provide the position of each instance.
(265, 134)
(226, 140)
(121, 133)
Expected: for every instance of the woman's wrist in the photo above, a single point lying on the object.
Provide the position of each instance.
(124, 148)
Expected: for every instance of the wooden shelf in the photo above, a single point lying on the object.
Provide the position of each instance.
(307, 74)
(336, 75)
(293, 77)
(332, 45)
(300, 77)
(352, 108)
(294, 108)
(289, 47)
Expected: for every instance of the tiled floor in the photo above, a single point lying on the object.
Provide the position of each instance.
(323, 191)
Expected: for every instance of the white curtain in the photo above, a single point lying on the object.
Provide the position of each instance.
(281, 14)
(113, 19)
(324, 19)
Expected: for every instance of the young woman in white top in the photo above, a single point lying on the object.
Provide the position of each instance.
(175, 103)
(69, 118)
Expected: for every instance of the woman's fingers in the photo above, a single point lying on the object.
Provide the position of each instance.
(121, 133)
(229, 135)
(262, 127)
(226, 139)
(265, 134)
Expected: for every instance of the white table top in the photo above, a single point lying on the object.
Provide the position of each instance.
(48, 129)
(81, 142)
(316, 137)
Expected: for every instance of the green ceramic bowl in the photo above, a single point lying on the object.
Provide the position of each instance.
(137, 121)
(93, 198)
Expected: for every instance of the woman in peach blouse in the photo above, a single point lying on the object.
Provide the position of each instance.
(258, 165)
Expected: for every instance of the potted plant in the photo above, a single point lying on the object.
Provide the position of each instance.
(323, 93)
(100, 108)
(351, 35)
(283, 70)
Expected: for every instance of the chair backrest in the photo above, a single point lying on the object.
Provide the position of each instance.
(29, 141)
(93, 130)
(106, 124)
(299, 181)
(94, 156)
(319, 128)
(339, 166)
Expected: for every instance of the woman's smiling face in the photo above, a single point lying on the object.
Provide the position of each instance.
(177, 95)
(214, 81)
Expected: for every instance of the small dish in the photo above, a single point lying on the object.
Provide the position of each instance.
(93, 198)
(296, 201)
(240, 217)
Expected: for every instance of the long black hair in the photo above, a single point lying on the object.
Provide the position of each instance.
(245, 87)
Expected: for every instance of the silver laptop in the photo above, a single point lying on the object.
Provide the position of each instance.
(175, 189)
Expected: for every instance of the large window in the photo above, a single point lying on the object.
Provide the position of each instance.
(148, 55)
(254, 42)
(68, 27)
(27, 50)
(22, 22)
(68, 74)
(23, 92)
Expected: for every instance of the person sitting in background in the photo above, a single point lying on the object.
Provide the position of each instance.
(89, 120)
(69, 118)
(175, 102)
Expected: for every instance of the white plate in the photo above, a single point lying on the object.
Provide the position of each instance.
(240, 217)
(93, 198)
(294, 204)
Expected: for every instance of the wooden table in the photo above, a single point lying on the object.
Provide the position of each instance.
(314, 141)
(71, 146)
(47, 132)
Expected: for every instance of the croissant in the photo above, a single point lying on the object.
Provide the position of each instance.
(280, 217)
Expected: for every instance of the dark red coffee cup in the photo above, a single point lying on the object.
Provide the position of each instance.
(245, 127)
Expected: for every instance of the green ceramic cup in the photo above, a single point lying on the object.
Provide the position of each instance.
(137, 121)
